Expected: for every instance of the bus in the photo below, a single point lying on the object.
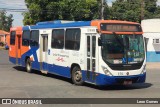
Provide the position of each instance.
(100, 52)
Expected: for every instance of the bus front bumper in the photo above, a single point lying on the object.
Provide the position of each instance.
(102, 79)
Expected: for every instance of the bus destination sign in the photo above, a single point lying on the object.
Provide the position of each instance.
(120, 27)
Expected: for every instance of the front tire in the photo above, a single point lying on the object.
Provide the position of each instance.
(77, 76)
(28, 66)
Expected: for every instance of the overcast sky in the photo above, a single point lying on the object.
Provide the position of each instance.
(14, 4)
(20, 4)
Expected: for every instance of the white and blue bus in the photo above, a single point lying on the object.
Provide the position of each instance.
(101, 52)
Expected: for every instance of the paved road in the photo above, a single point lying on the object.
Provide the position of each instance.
(16, 83)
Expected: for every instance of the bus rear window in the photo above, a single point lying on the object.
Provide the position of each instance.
(12, 38)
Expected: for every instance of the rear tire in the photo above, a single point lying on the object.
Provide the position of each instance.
(77, 76)
(28, 66)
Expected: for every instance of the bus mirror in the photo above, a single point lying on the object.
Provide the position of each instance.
(99, 42)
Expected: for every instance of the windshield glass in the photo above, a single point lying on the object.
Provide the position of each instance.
(122, 49)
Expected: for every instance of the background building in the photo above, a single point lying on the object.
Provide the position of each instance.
(4, 37)
(151, 29)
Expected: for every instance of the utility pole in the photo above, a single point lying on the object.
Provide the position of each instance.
(102, 9)
(142, 9)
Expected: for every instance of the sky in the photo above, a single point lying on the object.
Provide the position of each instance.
(14, 4)
(20, 4)
(110, 2)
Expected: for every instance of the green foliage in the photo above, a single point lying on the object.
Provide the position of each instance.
(5, 21)
(46, 10)
(130, 10)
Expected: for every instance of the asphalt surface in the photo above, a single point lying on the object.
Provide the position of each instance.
(16, 83)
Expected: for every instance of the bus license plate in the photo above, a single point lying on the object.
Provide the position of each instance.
(127, 82)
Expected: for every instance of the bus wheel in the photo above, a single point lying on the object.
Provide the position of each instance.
(28, 66)
(77, 76)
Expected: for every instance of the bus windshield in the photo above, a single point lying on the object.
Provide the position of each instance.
(122, 49)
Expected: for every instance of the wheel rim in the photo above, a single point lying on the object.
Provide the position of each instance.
(78, 76)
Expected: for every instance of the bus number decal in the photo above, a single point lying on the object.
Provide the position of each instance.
(120, 74)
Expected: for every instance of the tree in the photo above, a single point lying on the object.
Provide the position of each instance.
(5, 21)
(130, 10)
(150, 9)
(157, 13)
(47, 10)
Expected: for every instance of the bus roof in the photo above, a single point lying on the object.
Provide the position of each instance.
(58, 25)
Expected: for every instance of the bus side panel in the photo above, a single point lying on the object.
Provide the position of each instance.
(58, 62)
(24, 54)
(15, 50)
(59, 70)
(18, 46)
(12, 54)
(34, 56)
(30, 52)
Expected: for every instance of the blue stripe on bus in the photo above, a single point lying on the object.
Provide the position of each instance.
(74, 24)
(13, 60)
(59, 70)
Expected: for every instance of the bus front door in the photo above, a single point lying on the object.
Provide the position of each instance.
(18, 49)
(91, 58)
(44, 52)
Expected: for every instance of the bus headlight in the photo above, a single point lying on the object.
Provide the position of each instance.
(144, 69)
(106, 71)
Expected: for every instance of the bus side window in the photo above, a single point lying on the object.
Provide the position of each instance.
(26, 38)
(12, 38)
(34, 41)
(57, 38)
(72, 39)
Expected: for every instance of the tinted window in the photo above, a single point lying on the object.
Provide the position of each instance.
(58, 39)
(94, 46)
(26, 38)
(34, 41)
(88, 46)
(45, 43)
(72, 39)
(12, 38)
